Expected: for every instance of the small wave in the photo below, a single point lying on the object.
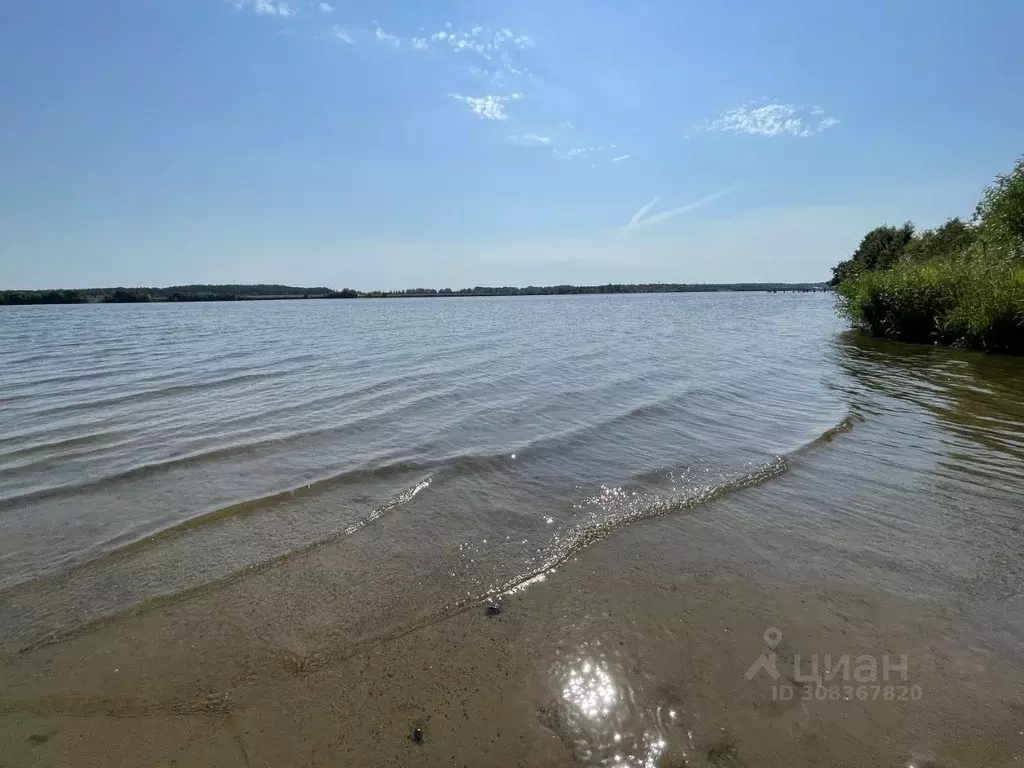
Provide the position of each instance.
(621, 507)
(841, 428)
(247, 507)
(130, 607)
(93, 377)
(601, 514)
(283, 439)
(65, 445)
(402, 498)
(155, 394)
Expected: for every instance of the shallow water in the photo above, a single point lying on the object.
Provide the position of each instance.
(148, 450)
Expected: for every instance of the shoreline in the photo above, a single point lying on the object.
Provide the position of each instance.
(637, 647)
(227, 293)
(650, 670)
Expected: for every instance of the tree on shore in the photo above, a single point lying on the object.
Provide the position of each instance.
(1000, 214)
(879, 249)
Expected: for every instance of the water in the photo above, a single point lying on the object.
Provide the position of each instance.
(149, 450)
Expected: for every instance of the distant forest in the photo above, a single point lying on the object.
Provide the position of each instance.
(265, 292)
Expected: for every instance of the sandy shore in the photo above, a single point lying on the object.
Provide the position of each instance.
(636, 652)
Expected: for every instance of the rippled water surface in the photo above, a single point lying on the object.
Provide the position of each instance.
(146, 450)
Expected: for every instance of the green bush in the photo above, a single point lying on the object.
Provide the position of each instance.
(959, 284)
(968, 302)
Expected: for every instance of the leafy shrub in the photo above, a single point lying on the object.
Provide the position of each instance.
(959, 284)
(969, 302)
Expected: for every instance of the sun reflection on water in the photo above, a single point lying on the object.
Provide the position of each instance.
(602, 717)
(591, 690)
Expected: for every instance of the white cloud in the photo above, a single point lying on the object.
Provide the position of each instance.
(326, 7)
(267, 7)
(486, 107)
(570, 154)
(420, 43)
(620, 158)
(485, 43)
(639, 222)
(772, 120)
(384, 37)
(531, 138)
(578, 153)
(506, 62)
(344, 36)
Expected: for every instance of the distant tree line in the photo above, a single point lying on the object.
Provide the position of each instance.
(43, 297)
(566, 290)
(122, 295)
(177, 293)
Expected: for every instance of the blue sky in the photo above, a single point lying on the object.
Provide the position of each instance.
(379, 144)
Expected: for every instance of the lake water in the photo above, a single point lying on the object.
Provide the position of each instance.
(147, 449)
(373, 468)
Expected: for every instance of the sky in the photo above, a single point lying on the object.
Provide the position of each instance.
(383, 144)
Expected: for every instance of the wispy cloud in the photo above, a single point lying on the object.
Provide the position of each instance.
(485, 42)
(579, 153)
(500, 47)
(506, 62)
(643, 210)
(267, 7)
(640, 222)
(620, 158)
(384, 37)
(531, 139)
(487, 107)
(772, 119)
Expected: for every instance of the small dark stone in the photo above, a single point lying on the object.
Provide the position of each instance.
(493, 609)
(417, 735)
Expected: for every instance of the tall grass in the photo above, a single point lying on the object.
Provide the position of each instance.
(970, 301)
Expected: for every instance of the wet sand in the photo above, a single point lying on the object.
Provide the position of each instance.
(634, 652)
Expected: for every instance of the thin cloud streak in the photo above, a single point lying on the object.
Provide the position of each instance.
(640, 214)
(344, 36)
(530, 138)
(384, 37)
(639, 222)
(620, 158)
